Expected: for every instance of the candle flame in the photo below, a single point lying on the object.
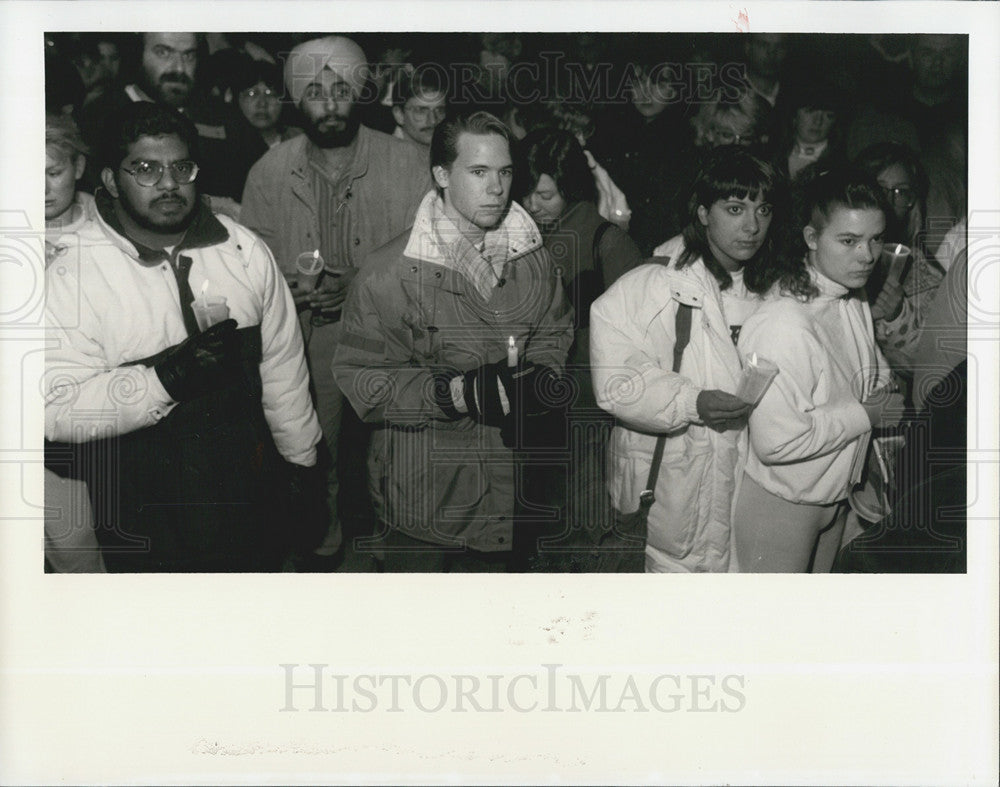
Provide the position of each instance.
(316, 254)
(510, 342)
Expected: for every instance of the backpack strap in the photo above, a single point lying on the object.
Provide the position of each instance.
(682, 335)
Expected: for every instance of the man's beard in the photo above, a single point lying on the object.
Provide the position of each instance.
(163, 227)
(169, 88)
(333, 138)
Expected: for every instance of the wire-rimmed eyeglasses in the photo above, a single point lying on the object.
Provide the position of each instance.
(149, 173)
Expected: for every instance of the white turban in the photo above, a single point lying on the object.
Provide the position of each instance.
(341, 55)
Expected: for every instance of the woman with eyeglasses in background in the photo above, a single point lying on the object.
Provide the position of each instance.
(259, 90)
(898, 307)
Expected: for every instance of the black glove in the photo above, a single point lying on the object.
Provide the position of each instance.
(483, 387)
(201, 363)
(536, 390)
(306, 513)
(538, 400)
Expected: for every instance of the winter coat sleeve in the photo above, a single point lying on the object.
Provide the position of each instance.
(789, 425)
(631, 354)
(898, 337)
(86, 398)
(258, 211)
(284, 376)
(619, 255)
(552, 334)
(374, 364)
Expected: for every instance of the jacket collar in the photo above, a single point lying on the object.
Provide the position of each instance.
(436, 239)
(829, 290)
(205, 230)
(359, 161)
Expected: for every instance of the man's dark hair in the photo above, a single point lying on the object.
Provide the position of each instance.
(418, 83)
(143, 119)
(556, 153)
(444, 144)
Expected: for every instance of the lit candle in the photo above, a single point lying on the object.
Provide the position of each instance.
(511, 352)
(204, 293)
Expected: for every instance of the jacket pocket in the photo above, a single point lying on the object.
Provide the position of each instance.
(428, 493)
(676, 518)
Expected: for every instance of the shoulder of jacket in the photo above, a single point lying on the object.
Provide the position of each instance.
(279, 158)
(782, 313)
(381, 140)
(389, 252)
(241, 237)
(658, 280)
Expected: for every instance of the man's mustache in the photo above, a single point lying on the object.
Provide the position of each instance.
(176, 76)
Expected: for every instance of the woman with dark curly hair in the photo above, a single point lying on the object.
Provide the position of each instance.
(809, 434)
(710, 275)
(589, 254)
(898, 306)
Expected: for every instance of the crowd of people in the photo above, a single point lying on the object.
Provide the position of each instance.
(455, 302)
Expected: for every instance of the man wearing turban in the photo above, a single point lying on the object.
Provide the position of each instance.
(338, 192)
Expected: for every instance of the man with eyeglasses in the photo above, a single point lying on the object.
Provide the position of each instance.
(339, 191)
(190, 435)
(419, 104)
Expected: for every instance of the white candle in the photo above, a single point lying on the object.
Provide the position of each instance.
(204, 293)
(511, 352)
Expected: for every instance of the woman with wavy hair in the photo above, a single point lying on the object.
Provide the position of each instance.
(708, 274)
(809, 434)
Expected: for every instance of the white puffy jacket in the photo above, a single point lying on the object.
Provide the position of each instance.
(105, 307)
(810, 432)
(632, 340)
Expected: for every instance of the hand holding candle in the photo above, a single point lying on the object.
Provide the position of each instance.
(209, 310)
(899, 260)
(309, 267)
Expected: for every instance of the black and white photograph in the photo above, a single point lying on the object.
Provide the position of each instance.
(322, 305)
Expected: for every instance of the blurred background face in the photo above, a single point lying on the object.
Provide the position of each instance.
(651, 96)
(169, 61)
(813, 126)
(766, 54)
(898, 186)
(110, 58)
(730, 129)
(61, 173)
(261, 106)
(421, 115)
(935, 61)
(545, 204)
